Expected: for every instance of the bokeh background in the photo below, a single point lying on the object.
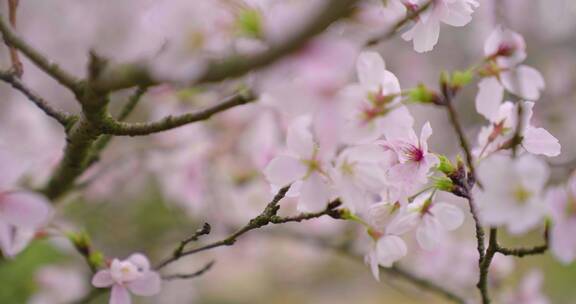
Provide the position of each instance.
(149, 193)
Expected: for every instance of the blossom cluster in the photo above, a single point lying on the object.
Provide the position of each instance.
(333, 125)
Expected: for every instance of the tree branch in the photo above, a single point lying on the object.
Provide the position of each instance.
(479, 230)
(62, 117)
(114, 127)
(12, 39)
(485, 265)
(185, 276)
(455, 121)
(536, 250)
(268, 216)
(104, 140)
(17, 66)
(129, 75)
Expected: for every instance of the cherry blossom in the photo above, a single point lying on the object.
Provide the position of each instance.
(22, 213)
(502, 128)
(414, 161)
(372, 106)
(430, 220)
(303, 162)
(505, 50)
(561, 201)
(359, 174)
(385, 248)
(425, 32)
(512, 193)
(132, 275)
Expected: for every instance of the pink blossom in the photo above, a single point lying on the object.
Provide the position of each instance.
(372, 107)
(505, 50)
(512, 192)
(414, 161)
(502, 128)
(561, 201)
(385, 248)
(22, 213)
(132, 275)
(426, 30)
(359, 174)
(304, 163)
(430, 220)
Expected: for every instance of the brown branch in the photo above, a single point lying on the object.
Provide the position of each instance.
(268, 216)
(128, 75)
(186, 276)
(479, 230)
(13, 40)
(17, 66)
(128, 108)
(485, 266)
(114, 127)
(457, 126)
(535, 250)
(62, 117)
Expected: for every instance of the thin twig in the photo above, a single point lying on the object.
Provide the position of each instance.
(522, 251)
(457, 126)
(485, 265)
(39, 59)
(14, 57)
(268, 216)
(62, 117)
(113, 127)
(186, 276)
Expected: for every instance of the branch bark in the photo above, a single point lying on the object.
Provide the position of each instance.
(62, 117)
(268, 216)
(114, 127)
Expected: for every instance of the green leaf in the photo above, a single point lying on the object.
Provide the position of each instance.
(249, 23)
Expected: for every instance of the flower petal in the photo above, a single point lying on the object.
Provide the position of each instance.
(524, 81)
(489, 98)
(299, 139)
(390, 248)
(24, 209)
(540, 141)
(428, 233)
(370, 68)
(120, 295)
(449, 216)
(148, 285)
(314, 194)
(140, 260)
(284, 170)
(102, 279)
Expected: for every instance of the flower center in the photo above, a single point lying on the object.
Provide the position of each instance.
(506, 49)
(347, 168)
(413, 153)
(521, 194)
